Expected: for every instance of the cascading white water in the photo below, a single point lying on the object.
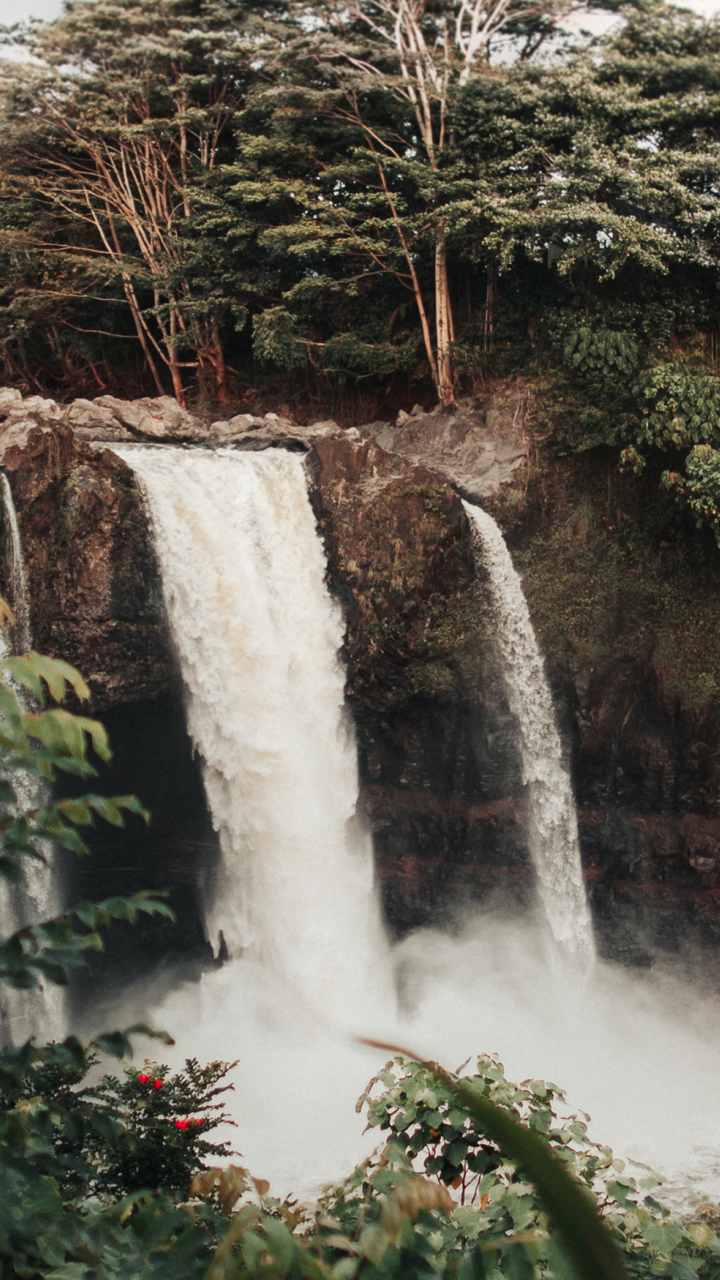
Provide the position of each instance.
(552, 822)
(257, 636)
(22, 632)
(38, 898)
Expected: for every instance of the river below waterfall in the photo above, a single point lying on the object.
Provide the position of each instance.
(292, 912)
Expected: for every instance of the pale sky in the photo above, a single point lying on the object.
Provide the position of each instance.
(16, 10)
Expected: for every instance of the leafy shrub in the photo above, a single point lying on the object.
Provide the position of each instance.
(699, 488)
(162, 1124)
(430, 1122)
(601, 351)
(679, 407)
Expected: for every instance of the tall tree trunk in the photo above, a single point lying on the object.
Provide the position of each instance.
(140, 330)
(443, 323)
(174, 362)
(490, 300)
(221, 386)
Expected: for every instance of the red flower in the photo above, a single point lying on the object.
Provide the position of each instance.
(143, 1079)
(158, 1084)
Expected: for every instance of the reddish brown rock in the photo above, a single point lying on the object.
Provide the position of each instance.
(439, 773)
(96, 597)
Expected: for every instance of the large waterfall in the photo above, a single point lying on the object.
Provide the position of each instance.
(257, 636)
(552, 823)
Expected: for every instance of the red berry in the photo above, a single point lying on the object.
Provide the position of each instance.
(158, 1084)
(143, 1079)
(182, 1124)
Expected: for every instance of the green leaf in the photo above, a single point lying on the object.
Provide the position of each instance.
(7, 792)
(517, 1263)
(663, 1237)
(76, 810)
(472, 1266)
(374, 1241)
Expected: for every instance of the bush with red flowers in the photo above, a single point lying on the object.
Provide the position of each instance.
(162, 1121)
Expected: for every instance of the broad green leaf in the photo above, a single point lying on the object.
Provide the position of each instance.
(374, 1241)
(99, 737)
(568, 1205)
(7, 792)
(23, 672)
(517, 1263)
(76, 810)
(472, 1266)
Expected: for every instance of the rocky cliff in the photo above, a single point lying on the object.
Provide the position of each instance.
(96, 598)
(440, 778)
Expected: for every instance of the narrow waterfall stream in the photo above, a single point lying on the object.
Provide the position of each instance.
(308, 968)
(22, 631)
(553, 833)
(26, 1013)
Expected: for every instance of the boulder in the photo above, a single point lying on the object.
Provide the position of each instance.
(477, 448)
(272, 432)
(160, 418)
(15, 434)
(235, 426)
(91, 421)
(9, 398)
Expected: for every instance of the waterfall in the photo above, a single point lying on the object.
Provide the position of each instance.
(27, 1014)
(552, 822)
(257, 637)
(22, 634)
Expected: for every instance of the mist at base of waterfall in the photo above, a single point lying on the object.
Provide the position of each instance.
(637, 1051)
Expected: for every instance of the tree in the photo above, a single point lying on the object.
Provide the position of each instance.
(393, 71)
(127, 111)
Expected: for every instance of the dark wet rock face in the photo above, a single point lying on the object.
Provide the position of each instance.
(96, 596)
(648, 789)
(439, 772)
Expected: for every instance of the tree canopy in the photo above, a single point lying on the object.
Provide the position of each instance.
(202, 194)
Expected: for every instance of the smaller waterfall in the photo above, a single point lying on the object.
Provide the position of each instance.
(37, 899)
(22, 633)
(553, 833)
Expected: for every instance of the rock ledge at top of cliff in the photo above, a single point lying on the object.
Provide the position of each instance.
(477, 445)
(160, 419)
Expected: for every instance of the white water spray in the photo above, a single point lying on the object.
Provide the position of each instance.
(552, 822)
(22, 632)
(257, 636)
